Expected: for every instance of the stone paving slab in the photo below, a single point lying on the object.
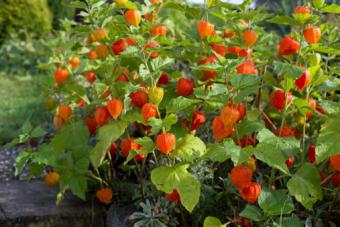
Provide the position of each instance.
(33, 204)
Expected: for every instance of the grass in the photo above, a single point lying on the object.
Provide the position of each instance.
(20, 100)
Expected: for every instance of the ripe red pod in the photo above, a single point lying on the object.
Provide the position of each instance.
(184, 87)
(149, 110)
(74, 62)
(133, 17)
(288, 46)
(287, 131)
(279, 99)
(218, 48)
(246, 141)
(115, 107)
(336, 179)
(249, 37)
(91, 125)
(101, 115)
(165, 142)
(229, 116)
(130, 41)
(312, 35)
(251, 192)
(334, 162)
(173, 196)
(113, 149)
(247, 67)
(139, 98)
(65, 112)
(205, 29)
(303, 80)
(152, 44)
(60, 75)
(104, 195)
(312, 153)
(160, 30)
(241, 176)
(119, 46)
(302, 10)
(234, 50)
(90, 77)
(243, 222)
(219, 131)
(128, 145)
(81, 103)
(208, 73)
(197, 120)
(163, 79)
(290, 161)
(312, 104)
(246, 53)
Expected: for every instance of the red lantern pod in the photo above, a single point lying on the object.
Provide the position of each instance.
(251, 192)
(166, 142)
(288, 46)
(241, 176)
(312, 35)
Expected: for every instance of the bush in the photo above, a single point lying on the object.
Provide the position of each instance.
(21, 56)
(60, 11)
(17, 16)
(206, 110)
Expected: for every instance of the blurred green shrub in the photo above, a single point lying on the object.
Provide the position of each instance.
(32, 16)
(60, 10)
(21, 56)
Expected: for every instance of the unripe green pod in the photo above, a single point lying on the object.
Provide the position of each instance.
(156, 94)
(314, 59)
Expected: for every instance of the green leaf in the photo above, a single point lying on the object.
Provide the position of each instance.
(292, 71)
(167, 179)
(38, 132)
(284, 20)
(180, 103)
(217, 152)
(147, 147)
(189, 148)
(318, 3)
(73, 137)
(328, 142)
(20, 162)
(305, 186)
(169, 120)
(106, 135)
(78, 185)
(331, 9)
(247, 127)
(212, 222)
(291, 222)
(272, 156)
(243, 81)
(253, 213)
(239, 155)
(303, 106)
(275, 202)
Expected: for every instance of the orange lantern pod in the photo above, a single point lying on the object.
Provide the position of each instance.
(205, 29)
(115, 107)
(219, 131)
(133, 17)
(165, 142)
(312, 35)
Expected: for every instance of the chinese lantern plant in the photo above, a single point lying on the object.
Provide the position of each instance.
(139, 92)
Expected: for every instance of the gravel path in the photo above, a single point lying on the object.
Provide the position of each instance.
(7, 164)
